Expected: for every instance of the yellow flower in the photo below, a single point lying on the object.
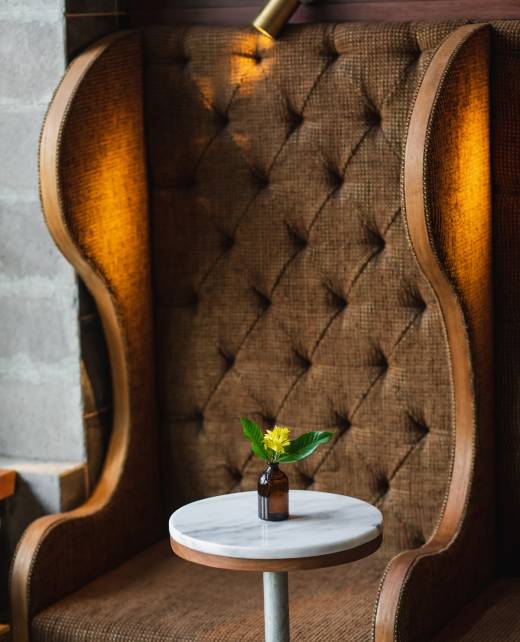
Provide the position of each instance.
(277, 439)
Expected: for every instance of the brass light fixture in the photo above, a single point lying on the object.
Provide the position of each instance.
(274, 15)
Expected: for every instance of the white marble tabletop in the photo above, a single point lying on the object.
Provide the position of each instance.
(319, 523)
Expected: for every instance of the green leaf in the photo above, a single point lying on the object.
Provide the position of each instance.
(259, 451)
(305, 445)
(255, 435)
(252, 431)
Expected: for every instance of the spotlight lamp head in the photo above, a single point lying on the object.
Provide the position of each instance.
(271, 20)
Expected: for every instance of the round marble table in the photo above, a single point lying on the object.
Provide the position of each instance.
(323, 529)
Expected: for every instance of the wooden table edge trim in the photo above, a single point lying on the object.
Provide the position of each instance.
(281, 565)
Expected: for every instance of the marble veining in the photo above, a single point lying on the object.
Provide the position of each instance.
(319, 523)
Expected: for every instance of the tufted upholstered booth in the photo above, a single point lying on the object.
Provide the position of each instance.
(296, 232)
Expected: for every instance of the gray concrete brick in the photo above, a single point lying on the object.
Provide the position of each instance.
(42, 488)
(30, 66)
(26, 247)
(31, 7)
(45, 328)
(31, 10)
(37, 418)
(19, 136)
(40, 392)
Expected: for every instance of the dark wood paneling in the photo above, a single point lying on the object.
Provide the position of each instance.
(238, 12)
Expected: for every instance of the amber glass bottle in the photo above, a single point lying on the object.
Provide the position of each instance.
(273, 494)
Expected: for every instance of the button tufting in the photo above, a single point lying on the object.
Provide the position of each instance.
(229, 359)
(306, 480)
(379, 244)
(336, 178)
(418, 426)
(332, 55)
(295, 120)
(337, 301)
(303, 362)
(269, 420)
(419, 304)
(383, 486)
(373, 118)
(261, 178)
(253, 56)
(341, 303)
(343, 422)
(234, 473)
(418, 540)
(411, 298)
(374, 238)
(227, 242)
(222, 117)
(380, 361)
(198, 418)
(264, 301)
(297, 238)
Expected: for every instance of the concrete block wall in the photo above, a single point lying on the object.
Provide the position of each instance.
(55, 389)
(41, 405)
(40, 394)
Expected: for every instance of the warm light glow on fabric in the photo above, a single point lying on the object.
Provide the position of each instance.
(460, 176)
(104, 179)
(248, 62)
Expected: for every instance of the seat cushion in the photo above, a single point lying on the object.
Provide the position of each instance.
(156, 596)
(493, 615)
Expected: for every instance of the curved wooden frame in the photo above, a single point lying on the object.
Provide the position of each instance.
(415, 167)
(56, 221)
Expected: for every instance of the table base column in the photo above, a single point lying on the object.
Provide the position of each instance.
(276, 607)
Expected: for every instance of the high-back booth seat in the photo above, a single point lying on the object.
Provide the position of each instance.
(297, 232)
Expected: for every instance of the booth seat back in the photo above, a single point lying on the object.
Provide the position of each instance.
(285, 287)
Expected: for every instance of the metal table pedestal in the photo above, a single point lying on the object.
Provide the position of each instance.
(276, 606)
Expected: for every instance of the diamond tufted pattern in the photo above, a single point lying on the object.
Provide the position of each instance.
(285, 288)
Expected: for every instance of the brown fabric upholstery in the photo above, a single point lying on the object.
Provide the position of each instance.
(506, 219)
(492, 617)
(285, 287)
(157, 597)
